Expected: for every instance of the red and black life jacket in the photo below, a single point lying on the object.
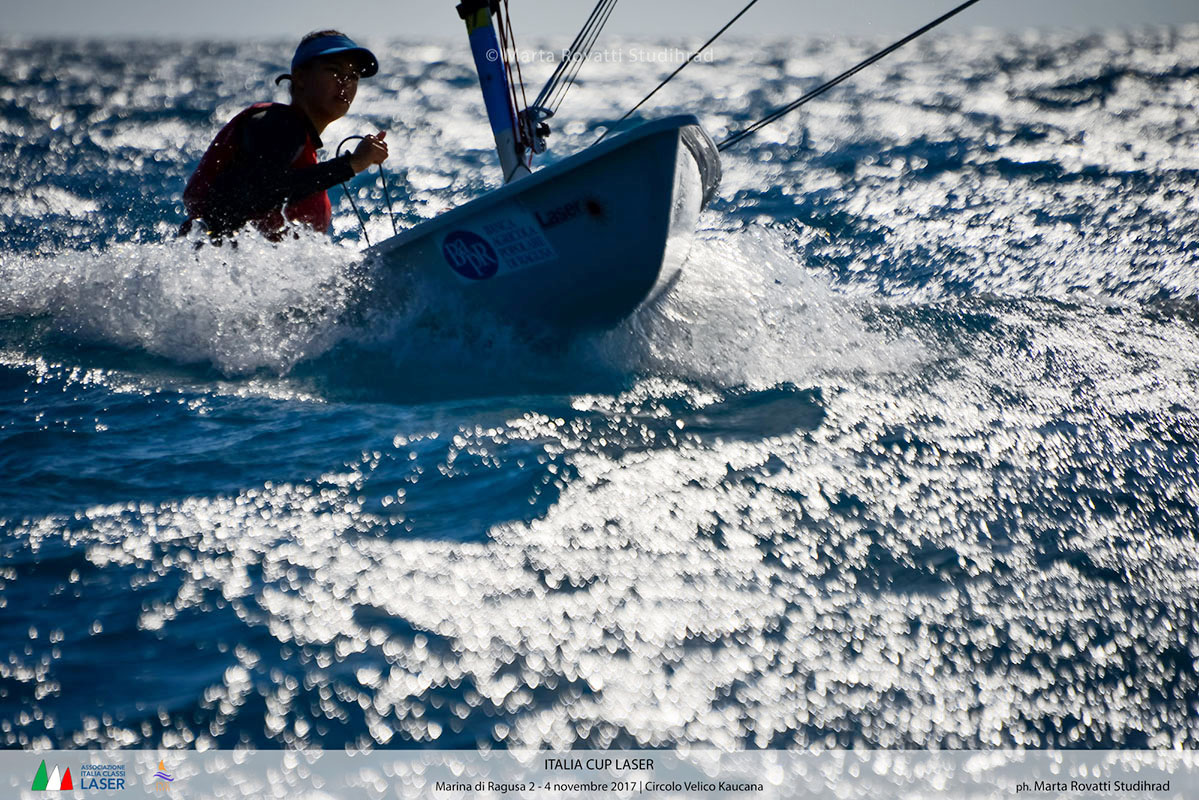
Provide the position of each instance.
(315, 210)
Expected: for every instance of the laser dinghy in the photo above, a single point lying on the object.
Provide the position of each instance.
(587, 240)
(580, 243)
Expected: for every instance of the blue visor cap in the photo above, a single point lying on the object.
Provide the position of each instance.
(331, 45)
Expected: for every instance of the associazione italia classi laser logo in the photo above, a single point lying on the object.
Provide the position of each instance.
(91, 776)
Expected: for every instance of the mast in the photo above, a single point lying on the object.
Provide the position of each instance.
(493, 80)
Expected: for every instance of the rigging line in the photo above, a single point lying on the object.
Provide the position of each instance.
(579, 58)
(595, 33)
(518, 129)
(824, 87)
(669, 77)
(515, 54)
(567, 61)
(387, 195)
(553, 81)
(353, 205)
(508, 73)
(554, 92)
(350, 197)
(358, 214)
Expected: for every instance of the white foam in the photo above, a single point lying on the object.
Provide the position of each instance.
(259, 306)
(748, 312)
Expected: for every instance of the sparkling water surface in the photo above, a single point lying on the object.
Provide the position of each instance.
(909, 456)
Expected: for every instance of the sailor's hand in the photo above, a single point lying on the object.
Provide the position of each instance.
(371, 150)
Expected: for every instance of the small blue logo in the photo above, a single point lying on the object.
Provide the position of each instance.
(470, 255)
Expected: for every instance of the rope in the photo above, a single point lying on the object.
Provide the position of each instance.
(568, 62)
(508, 45)
(669, 77)
(576, 57)
(515, 56)
(552, 94)
(504, 54)
(353, 205)
(824, 87)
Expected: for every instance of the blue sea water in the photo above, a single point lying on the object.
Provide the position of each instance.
(909, 456)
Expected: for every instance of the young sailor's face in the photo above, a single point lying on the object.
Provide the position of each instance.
(329, 85)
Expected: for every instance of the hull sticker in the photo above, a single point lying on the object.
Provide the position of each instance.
(470, 255)
(497, 243)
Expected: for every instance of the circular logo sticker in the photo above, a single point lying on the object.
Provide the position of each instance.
(470, 255)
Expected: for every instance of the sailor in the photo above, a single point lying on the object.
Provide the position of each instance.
(262, 168)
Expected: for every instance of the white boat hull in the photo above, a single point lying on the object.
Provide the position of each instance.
(580, 243)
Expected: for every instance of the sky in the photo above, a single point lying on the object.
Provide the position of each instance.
(378, 20)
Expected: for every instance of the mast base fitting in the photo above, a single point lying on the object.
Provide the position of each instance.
(533, 127)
